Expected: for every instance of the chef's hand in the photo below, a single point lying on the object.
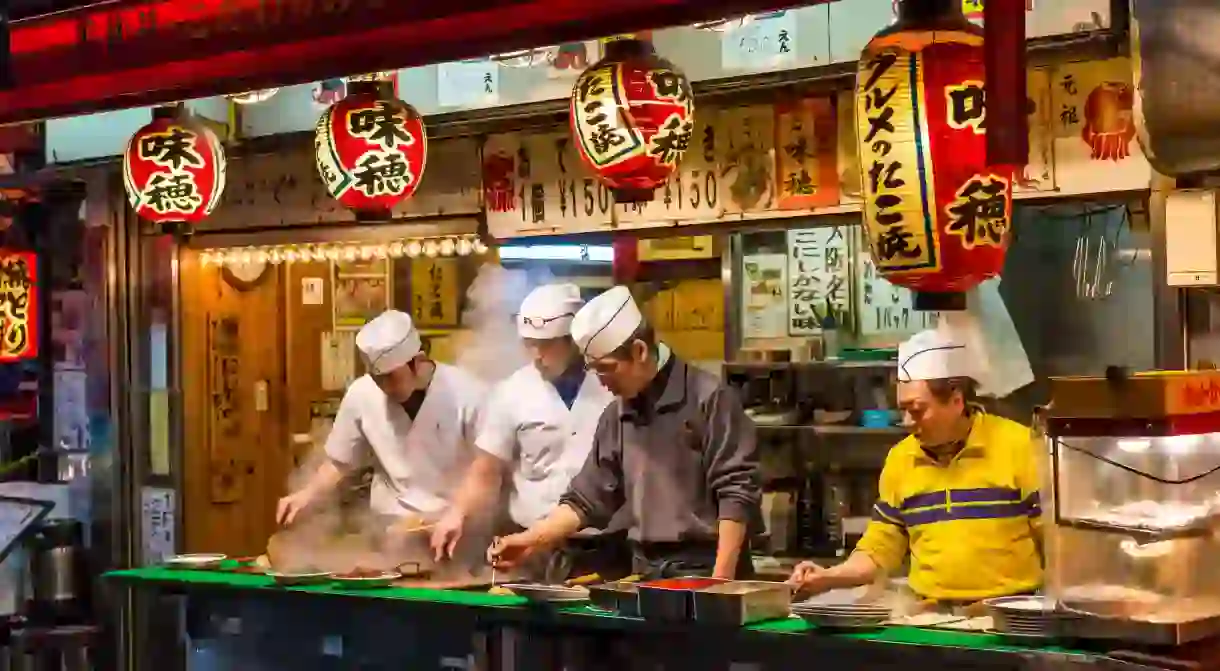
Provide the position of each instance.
(508, 552)
(446, 534)
(809, 579)
(290, 507)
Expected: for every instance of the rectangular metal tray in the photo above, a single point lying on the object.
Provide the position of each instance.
(741, 602)
(672, 599)
(620, 597)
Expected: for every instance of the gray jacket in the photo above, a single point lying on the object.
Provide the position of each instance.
(678, 467)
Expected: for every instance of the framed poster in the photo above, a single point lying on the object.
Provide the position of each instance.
(361, 291)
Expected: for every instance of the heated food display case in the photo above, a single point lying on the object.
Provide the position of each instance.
(1132, 502)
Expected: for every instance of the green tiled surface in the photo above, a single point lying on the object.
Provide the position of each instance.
(481, 599)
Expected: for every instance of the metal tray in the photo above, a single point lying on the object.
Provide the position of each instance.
(548, 593)
(672, 599)
(620, 597)
(1085, 625)
(741, 602)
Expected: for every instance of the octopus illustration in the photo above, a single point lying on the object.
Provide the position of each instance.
(1109, 121)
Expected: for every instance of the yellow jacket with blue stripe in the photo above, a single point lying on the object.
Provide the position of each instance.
(972, 526)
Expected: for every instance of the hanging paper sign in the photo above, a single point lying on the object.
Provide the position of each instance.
(474, 83)
(764, 304)
(818, 278)
(570, 59)
(807, 173)
(19, 318)
(762, 43)
(884, 308)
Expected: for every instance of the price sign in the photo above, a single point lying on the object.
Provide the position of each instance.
(693, 193)
(765, 42)
(536, 183)
(884, 308)
(818, 278)
(474, 83)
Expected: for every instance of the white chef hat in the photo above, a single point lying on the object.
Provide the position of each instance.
(548, 310)
(388, 342)
(934, 355)
(606, 322)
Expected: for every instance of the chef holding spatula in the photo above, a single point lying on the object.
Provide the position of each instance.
(537, 432)
(413, 418)
(675, 449)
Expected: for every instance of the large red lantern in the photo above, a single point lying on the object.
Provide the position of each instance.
(174, 169)
(633, 115)
(371, 149)
(938, 218)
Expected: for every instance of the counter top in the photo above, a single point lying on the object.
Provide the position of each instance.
(511, 608)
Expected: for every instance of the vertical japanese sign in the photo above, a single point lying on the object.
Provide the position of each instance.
(805, 154)
(895, 156)
(1095, 144)
(19, 318)
(819, 272)
(435, 293)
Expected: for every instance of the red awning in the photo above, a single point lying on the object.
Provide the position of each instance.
(128, 53)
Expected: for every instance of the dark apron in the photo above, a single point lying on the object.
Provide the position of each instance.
(655, 561)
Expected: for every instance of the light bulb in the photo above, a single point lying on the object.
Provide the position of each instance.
(397, 249)
(262, 256)
(275, 256)
(380, 252)
(205, 259)
(431, 249)
(350, 253)
(246, 256)
(291, 255)
(480, 247)
(414, 249)
(366, 252)
(464, 247)
(331, 253)
(447, 247)
(319, 253)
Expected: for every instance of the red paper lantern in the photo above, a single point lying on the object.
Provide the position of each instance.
(632, 115)
(174, 169)
(371, 149)
(19, 318)
(938, 218)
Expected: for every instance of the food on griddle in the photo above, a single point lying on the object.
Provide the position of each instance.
(360, 572)
(500, 591)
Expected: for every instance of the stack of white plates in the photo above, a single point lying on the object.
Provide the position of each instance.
(842, 616)
(1024, 616)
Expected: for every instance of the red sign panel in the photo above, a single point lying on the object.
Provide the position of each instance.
(19, 318)
(131, 53)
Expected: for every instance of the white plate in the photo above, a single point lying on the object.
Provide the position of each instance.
(299, 578)
(196, 560)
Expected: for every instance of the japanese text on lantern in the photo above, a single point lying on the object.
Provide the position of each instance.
(965, 105)
(382, 170)
(172, 190)
(895, 164)
(595, 109)
(979, 215)
(674, 134)
(818, 271)
(18, 332)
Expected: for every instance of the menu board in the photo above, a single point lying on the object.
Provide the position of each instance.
(17, 516)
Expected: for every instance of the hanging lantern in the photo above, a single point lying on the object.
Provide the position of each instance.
(174, 169)
(371, 149)
(633, 115)
(938, 218)
(19, 319)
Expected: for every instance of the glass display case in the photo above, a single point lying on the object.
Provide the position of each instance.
(1132, 504)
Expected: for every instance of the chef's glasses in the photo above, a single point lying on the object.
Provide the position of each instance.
(539, 322)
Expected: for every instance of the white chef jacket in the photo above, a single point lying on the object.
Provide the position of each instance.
(528, 426)
(417, 464)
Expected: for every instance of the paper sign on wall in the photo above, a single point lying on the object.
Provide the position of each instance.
(818, 278)
(472, 83)
(157, 524)
(312, 291)
(768, 41)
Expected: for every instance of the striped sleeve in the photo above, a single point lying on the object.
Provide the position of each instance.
(1029, 479)
(885, 540)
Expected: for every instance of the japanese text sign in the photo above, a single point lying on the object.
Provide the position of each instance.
(19, 318)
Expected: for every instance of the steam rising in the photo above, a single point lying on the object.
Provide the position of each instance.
(334, 537)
